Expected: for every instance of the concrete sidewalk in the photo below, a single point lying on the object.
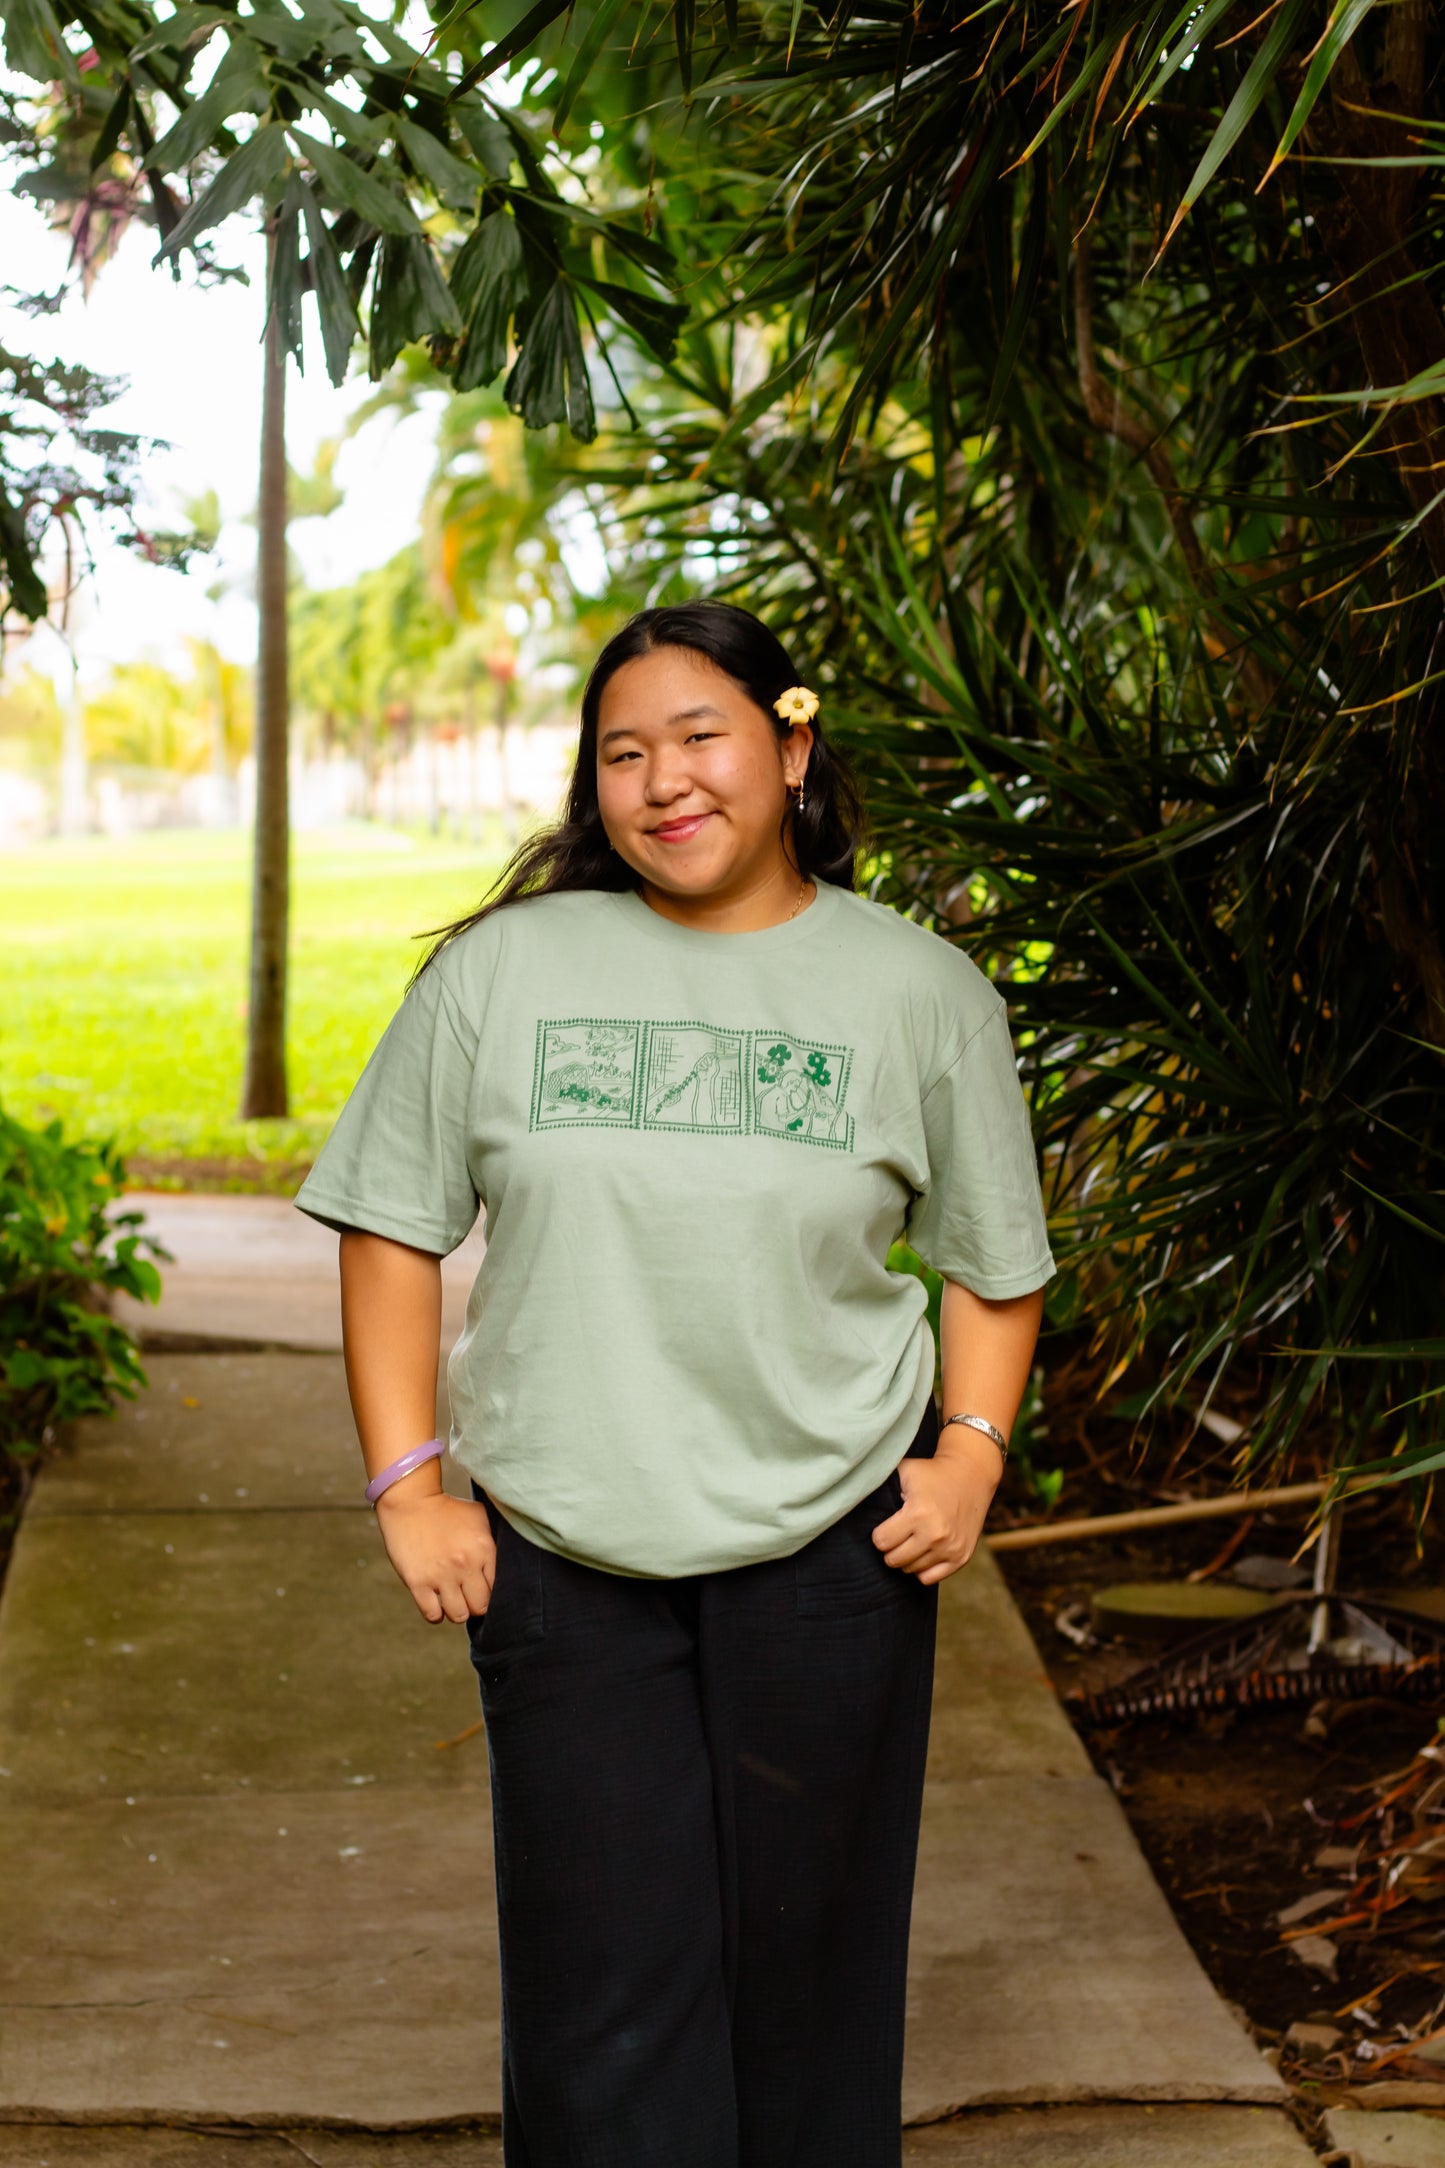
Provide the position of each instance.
(255, 1270)
(251, 1805)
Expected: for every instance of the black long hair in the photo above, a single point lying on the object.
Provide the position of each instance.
(824, 840)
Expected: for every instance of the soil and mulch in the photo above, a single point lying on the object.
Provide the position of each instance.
(1302, 1847)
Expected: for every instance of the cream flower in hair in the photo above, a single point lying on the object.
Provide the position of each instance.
(797, 705)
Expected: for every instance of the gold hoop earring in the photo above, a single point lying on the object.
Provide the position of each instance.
(798, 800)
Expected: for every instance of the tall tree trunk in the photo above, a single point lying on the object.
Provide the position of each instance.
(264, 1091)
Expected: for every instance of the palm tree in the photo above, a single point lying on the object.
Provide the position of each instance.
(263, 1089)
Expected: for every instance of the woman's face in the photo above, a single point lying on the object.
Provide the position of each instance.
(692, 778)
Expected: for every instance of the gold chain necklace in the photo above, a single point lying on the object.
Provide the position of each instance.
(797, 907)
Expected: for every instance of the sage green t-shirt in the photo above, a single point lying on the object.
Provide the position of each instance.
(683, 1350)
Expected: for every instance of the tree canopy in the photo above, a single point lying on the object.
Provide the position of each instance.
(395, 189)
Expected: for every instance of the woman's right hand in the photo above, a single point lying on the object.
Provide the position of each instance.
(442, 1548)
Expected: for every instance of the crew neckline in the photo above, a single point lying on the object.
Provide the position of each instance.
(643, 919)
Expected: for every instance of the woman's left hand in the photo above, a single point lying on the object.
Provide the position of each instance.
(945, 1500)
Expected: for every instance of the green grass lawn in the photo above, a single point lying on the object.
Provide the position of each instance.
(124, 986)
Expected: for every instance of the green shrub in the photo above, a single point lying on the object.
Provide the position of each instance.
(62, 1253)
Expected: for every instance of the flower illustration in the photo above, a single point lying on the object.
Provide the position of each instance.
(797, 705)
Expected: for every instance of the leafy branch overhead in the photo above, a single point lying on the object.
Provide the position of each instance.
(399, 200)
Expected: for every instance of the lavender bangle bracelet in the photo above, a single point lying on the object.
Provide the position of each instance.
(432, 1450)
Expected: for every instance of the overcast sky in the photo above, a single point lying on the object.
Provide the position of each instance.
(193, 359)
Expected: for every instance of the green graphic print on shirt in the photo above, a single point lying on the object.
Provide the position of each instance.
(627, 1073)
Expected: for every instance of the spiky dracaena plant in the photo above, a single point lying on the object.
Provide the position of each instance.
(1104, 490)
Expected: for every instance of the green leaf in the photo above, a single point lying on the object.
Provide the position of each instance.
(638, 248)
(452, 181)
(286, 282)
(1381, 1351)
(247, 174)
(1021, 307)
(1401, 1212)
(194, 132)
(1345, 19)
(1181, 41)
(410, 299)
(1241, 109)
(1375, 1474)
(518, 38)
(362, 132)
(33, 44)
(111, 128)
(449, 21)
(26, 1368)
(486, 135)
(373, 199)
(550, 382)
(655, 320)
(188, 26)
(339, 322)
(593, 39)
(17, 562)
(683, 26)
(1094, 69)
(489, 284)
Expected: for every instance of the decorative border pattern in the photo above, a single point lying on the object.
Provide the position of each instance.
(686, 1076)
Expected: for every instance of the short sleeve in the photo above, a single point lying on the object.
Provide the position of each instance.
(396, 1164)
(979, 1219)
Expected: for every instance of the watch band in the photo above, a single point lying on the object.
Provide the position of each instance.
(979, 1422)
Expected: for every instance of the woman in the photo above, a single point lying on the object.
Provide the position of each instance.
(699, 1088)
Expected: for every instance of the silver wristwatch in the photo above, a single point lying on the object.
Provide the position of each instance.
(978, 1422)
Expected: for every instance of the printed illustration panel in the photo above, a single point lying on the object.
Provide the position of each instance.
(586, 1071)
(798, 1089)
(694, 1078)
(703, 1079)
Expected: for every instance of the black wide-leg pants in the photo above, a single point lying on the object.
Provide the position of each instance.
(705, 1799)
